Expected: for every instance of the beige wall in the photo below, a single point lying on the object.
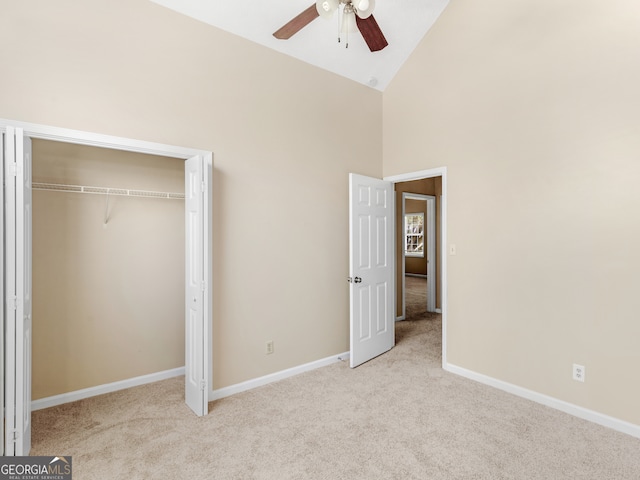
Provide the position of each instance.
(281, 154)
(534, 108)
(108, 301)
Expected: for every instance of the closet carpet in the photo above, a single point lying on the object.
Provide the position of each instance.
(399, 416)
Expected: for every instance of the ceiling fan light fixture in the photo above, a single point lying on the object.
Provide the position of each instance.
(326, 8)
(364, 8)
(348, 22)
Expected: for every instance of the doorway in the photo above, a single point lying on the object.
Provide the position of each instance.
(373, 264)
(425, 182)
(418, 246)
(419, 200)
(198, 272)
(108, 266)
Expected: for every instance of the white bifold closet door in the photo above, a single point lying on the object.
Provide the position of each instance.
(197, 285)
(17, 291)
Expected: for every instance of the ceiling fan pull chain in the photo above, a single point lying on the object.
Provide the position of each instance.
(338, 16)
(345, 23)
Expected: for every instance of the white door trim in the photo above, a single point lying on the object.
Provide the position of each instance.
(2, 300)
(435, 172)
(431, 253)
(79, 137)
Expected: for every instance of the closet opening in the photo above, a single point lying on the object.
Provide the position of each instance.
(17, 227)
(108, 268)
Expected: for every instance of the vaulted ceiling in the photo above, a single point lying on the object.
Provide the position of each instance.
(403, 22)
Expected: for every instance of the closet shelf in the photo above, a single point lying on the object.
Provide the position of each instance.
(55, 187)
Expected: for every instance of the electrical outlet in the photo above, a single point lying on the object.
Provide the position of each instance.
(269, 347)
(578, 372)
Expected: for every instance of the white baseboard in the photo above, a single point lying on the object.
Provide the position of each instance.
(571, 409)
(419, 275)
(106, 388)
(438, 310)
(155, 377)
(400, 318)
(274, 377)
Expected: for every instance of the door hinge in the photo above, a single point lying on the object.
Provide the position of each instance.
(14, 435)
(203, 385)
(204, 187)
(14, 169)
(13, 303)
(204, 286)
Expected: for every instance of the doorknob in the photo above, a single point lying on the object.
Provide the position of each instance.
(357, 280)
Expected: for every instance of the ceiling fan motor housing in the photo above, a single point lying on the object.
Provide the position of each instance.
(362, 8)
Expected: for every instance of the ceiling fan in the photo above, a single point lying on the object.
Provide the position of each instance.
(354, 13)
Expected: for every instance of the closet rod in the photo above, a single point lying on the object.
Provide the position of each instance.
(55, 187)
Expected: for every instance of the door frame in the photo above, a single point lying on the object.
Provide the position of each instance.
(46, 132)
(419, 175)
(2, 319)
(429, 252)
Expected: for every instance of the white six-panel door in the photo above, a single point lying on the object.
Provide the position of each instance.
(371, 269)
(17, 198)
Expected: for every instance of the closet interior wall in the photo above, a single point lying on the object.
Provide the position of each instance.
(108, 298)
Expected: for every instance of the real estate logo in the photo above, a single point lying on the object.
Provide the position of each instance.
(35, 468)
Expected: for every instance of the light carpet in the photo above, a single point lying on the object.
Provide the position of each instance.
(415, 299)
(399, 416)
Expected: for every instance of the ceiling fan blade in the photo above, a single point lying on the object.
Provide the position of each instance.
(371, 33)
(298, 23)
